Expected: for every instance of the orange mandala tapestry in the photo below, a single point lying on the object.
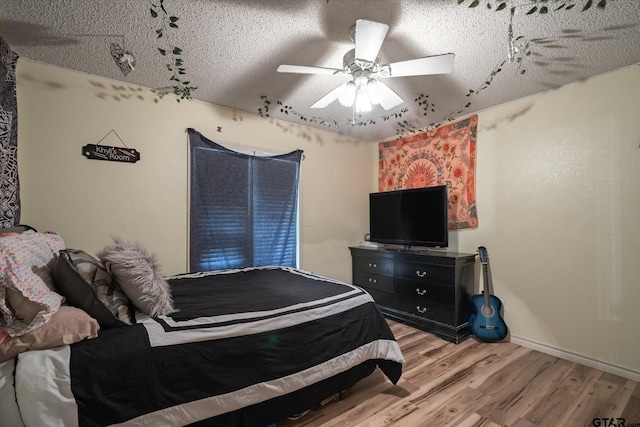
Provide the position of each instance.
(445, 155)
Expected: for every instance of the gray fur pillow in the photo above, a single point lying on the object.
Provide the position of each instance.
(138, 273)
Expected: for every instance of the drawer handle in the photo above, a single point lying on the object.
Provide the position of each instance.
(373, 265)
(421, 310)
(421, 273)
(421, 291)
(372, 280)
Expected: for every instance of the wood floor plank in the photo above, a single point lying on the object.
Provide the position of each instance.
(452, 411)
(514, 389)
(475, 420)
(631, 412)
(556, 405)
(476, 384)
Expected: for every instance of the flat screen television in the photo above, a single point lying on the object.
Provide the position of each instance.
(413, 217)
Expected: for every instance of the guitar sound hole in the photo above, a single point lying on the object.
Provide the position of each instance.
(487, 310)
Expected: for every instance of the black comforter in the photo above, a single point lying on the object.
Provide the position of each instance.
(244, 347)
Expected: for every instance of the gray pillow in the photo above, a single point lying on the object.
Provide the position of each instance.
(139, 274)
(87, 284)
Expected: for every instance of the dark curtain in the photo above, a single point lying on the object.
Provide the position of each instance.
(9, 185)
(243, 208)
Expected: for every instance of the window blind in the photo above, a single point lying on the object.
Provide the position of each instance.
(243, 208)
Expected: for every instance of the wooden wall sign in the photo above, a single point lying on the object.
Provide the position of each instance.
(114, 154)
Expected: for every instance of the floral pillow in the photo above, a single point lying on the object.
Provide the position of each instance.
(27, 297)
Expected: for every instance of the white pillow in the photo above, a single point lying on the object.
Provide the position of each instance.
(138, 273)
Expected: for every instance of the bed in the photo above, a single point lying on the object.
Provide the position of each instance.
(246, 347)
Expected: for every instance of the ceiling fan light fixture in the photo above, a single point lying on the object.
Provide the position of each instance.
(362, 103)
(374, 90)
(348, 95)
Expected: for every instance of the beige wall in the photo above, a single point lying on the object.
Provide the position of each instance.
(558, 192)
(88, 201)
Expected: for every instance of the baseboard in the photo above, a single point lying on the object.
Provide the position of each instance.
(577, 358)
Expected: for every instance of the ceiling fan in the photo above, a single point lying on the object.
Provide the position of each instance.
(363, 64)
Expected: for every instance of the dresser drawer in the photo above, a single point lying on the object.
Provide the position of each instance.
(374, 265)
(373, 281)
(427, 310)
(382, 298)
(427, 292)
(425, 289)
(425, 272)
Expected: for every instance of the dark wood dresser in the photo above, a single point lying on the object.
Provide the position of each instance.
(428, 289)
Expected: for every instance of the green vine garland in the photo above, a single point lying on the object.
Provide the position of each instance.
(539, 6)
(181, 87)
(265, 112)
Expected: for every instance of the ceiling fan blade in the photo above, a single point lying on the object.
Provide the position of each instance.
(330, 97)
(302, 69)
(438, 64)
(388, 97)
(369, 38)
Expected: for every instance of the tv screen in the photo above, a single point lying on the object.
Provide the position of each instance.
(414, 217)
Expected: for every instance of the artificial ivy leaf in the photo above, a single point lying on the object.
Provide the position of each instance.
(501, 6)
(172, 25)
(173, 18)
(474, 3)
(460, 1)
(570, 7)
(176, 51)
(533, 10)
(159, 32)
(162, 52)
(154, 14)
(602, 4)
(543, 9)
(587, 5)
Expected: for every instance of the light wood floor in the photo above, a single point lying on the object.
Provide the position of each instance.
(480, 384)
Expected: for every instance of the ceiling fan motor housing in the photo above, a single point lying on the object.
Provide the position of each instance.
(351, 64)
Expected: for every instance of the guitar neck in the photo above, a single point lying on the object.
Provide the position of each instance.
(485, 278)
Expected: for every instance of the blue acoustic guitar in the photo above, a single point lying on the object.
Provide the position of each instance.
(486, 322)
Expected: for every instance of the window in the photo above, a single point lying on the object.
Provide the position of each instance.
(243, 208)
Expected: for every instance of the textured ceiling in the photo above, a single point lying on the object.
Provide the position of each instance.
(232, 48)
